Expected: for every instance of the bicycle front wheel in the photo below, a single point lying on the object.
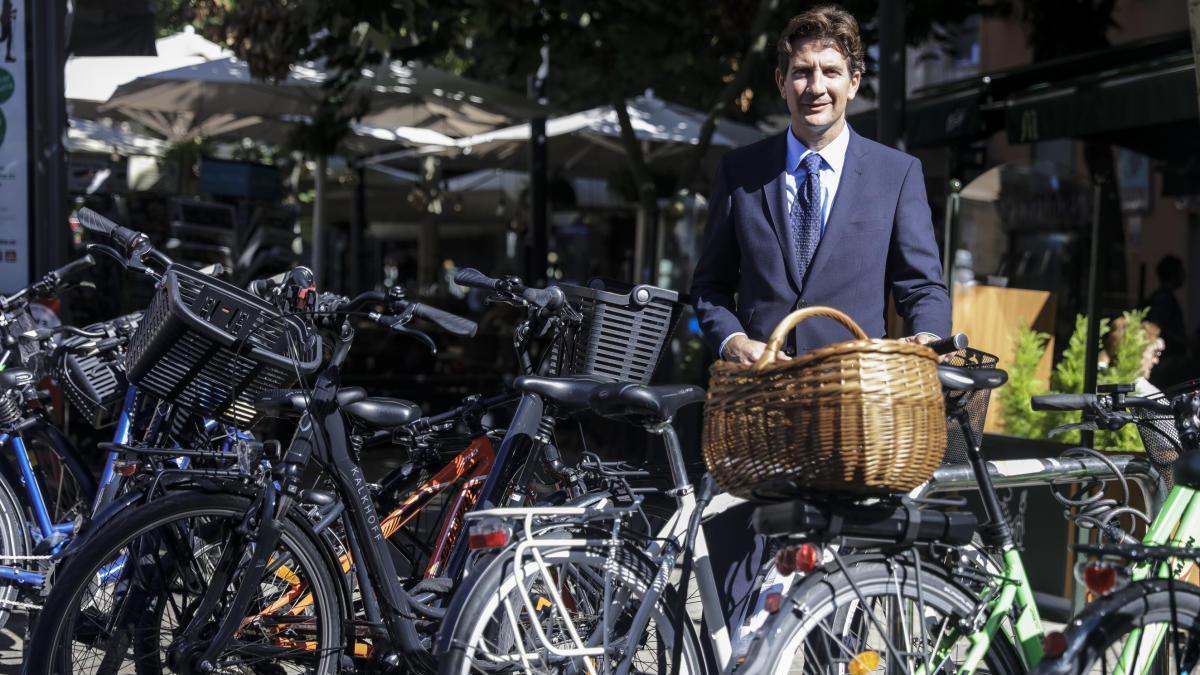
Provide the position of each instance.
(1152, 626)
(121, 603)
(874, 616)
(567, 609)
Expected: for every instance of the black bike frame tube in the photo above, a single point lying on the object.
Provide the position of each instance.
(997, 533)
(332, 443)
(514, 451)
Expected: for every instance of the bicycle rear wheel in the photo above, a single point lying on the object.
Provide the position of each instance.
(121, 603)
(873, 616)
(1151, 626)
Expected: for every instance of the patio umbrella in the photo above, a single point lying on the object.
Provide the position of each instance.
(589, 142)
(401, 96)
(91, 80)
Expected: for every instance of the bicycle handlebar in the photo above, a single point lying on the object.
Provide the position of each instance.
(949, 345)
(547, 298)
(451, 323)
(1062, 401)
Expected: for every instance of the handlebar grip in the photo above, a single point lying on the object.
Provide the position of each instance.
(262, 287)
(1062, 401)
(546, 298)
(94, 222)
(74, 267)
(451, 323)
(949, 345)
(473, 278)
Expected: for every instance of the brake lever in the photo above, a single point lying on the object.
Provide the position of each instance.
(398, 326)
(110, 252)
(1082, 426)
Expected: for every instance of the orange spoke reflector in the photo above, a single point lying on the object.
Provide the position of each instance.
(864, 663)
(289, 577)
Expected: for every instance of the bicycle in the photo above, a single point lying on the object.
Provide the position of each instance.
(998, 620)
(1146, 614)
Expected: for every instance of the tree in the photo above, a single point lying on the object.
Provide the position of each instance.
(1194, 22)
(714, 56)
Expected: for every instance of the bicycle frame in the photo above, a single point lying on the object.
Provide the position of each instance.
(1178, 524)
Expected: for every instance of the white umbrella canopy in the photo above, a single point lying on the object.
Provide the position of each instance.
(400, 95)
(589, 142)
(91, 80)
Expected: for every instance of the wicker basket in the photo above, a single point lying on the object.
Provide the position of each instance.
(864, 416)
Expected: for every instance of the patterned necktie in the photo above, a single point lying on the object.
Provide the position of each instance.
(805, 217)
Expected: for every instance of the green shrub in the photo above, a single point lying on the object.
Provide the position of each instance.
(1017, 418)
(1068, 378)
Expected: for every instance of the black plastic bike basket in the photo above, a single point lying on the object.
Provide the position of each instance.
(624, 330)
(95, 384)
(211, 347)
(977, 405)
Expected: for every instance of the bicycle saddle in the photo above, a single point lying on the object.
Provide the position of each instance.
(573, 392)
(293, 402)
(13, 378)
(971, 379)
(381, 412)
(659, 403)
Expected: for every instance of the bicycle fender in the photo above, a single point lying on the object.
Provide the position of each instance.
(1090, 630)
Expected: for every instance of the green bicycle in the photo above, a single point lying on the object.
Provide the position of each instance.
(903, 590)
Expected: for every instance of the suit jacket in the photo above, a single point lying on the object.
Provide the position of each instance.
(878, 240)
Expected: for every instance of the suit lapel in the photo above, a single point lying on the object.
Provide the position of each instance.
(843, 203)
(774, 198)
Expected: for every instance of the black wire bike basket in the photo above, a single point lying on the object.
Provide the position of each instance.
(95, 384)
(977, 405)
(625, 330)
(212, 348)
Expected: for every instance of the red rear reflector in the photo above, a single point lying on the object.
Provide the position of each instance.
(478, 541)
(1054, 644)
(773, 602)
(806, 558)
(1099, 577)
(126, 469)
(783, 562)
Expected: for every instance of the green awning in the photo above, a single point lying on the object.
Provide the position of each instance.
(1105, 106)
(931, 121)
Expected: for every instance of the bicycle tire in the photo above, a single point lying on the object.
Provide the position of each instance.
(68, 487)
(14, 542)
(817, 616)
(477, 601)
(1096, 636)
(154, 536)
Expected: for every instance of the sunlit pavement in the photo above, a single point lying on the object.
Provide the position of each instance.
(12, 645)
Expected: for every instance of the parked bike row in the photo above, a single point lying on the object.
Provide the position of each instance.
(204, 548)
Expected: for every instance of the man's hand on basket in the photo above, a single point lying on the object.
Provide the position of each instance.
(741, 349)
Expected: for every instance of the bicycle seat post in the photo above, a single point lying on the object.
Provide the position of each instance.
(682, 486)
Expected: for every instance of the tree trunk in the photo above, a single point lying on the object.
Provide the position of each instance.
(642, 178)
(1102, 169)
(1194, 22)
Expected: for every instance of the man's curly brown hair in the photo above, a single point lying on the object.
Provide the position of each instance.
(833, 26)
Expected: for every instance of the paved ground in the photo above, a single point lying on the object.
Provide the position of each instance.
(11, 645)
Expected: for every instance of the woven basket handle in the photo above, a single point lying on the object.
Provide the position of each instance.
(792, 320)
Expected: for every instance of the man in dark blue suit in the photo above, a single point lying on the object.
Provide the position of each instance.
(816, 215)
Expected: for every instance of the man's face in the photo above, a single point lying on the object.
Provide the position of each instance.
(817, 85)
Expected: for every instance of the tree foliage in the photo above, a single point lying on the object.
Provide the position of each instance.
(1029, 347)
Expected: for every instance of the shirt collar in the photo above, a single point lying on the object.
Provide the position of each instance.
(834, 154)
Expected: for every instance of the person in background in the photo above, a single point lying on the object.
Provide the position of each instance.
(1150, 357)
(1165, 310)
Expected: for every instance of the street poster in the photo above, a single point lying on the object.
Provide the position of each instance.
(14, 149)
